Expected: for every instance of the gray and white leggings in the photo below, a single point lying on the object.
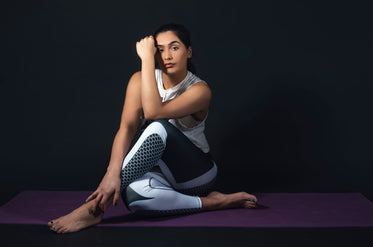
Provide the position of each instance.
(183, 173)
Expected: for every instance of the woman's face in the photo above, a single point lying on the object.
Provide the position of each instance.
(172, 55)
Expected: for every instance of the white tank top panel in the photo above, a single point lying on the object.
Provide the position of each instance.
(190, 127)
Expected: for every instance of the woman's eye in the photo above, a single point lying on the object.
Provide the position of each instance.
(160, 50)
(174, 48)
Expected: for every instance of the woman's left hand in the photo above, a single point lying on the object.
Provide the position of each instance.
(146, 48)
(108, 190)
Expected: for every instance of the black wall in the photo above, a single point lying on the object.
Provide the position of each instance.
(291, 81)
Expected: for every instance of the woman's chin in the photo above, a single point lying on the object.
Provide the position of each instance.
(169, 71)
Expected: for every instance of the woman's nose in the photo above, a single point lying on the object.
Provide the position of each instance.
(167, 55)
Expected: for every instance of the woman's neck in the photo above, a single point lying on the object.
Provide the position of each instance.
(171, 80)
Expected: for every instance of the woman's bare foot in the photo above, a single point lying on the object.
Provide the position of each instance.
(77, 220)
(216, 200)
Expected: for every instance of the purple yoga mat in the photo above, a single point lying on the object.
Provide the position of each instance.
(281, 210)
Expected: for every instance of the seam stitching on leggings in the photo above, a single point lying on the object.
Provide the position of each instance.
(149, 152)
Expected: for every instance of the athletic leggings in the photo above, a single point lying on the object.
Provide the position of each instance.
(183, 173)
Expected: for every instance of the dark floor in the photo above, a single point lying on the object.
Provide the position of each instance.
(16, 235)
(23, 235)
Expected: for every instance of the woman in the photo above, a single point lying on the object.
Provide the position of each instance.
(167, 169)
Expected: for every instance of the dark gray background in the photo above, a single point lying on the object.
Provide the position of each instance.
(291, 83)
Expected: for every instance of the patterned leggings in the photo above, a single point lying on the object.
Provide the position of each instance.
(165, 173)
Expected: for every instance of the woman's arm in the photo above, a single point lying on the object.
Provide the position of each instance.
(130, 119)
(195, 99)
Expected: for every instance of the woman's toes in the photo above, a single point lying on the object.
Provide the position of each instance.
(55, 227)
(252, 198)
(58, 230)
(249, 204)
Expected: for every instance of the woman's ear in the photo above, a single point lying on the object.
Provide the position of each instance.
(189, 52)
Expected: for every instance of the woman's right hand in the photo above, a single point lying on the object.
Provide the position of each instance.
(145, 48)
(108, 189)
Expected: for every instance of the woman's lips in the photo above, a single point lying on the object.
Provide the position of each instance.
(169, 65)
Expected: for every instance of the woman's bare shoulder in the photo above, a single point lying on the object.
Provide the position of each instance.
(202, 87)
(135, 80)
(136, 76)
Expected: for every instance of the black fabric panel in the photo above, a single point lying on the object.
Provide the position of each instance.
(184, 159)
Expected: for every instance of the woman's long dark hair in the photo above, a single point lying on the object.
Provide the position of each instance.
(183, 34)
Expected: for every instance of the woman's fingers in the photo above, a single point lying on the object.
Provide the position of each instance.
(108, 198)
(146, 47)
(103, 202)
(92, 209)
(98, 199)
(95, 204)
(92, 196)
(146, 38)
(116, 197)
